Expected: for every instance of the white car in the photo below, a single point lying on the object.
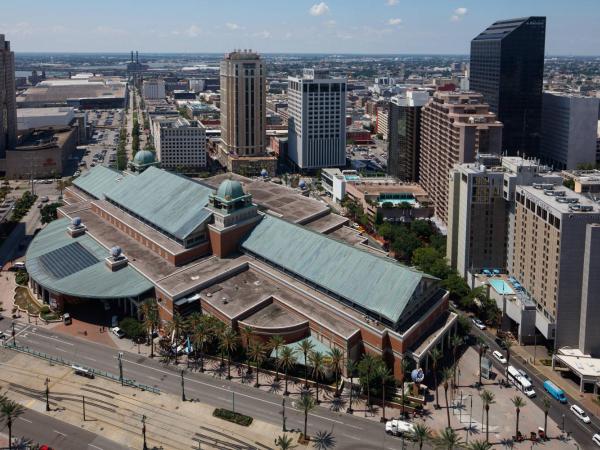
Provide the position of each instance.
(118, 332)
(596, 439)
(580, 413)
(500, 357)
(478, 323)
(398, 427)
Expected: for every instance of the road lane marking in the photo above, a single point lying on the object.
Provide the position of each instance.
(25, 420)
(62, 434)
(54, 338)
(95, 446)
(87, 357)
(237, 393)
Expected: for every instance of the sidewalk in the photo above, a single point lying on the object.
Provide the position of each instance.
(116, 412)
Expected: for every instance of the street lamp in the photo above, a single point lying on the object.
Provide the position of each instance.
(121, 367)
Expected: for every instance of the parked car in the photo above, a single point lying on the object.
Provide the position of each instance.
(596, 439)
(398, 427)
(580, 413)
(500, 357)
(478, 323)
(118, 332)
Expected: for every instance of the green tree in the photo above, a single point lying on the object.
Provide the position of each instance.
(200, 336)
(350, 369)
(404, 368)
(508, 345)
(546, 405)
(448, 440)
(480, 445)
(447, 374)
(366, 369)
(435, 354)
(256, 351)
(488, 399)
(336, 359)
(455, 343)
(518, 403)
(9, 412)
(384, 374)
(306, 347)
(306, 404)
(481, 350)
(284, 442)
(229, 343)
(49, 212)
(318, 369)
(174, 329)
(420, 434)
(275, 343)
(151, 320)
(133, 328)
(287, 361)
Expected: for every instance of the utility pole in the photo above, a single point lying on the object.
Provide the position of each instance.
(83, 403)
(144, 431)
(47, 394)
(182, 386)
(121, 368)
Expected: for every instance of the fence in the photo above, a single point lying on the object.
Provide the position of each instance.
(58, 360)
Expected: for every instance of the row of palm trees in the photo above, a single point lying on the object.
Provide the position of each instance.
(9, 412)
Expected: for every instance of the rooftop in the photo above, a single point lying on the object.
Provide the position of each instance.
(558, 203)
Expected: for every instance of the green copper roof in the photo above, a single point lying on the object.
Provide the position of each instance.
(230, 190)
(173, 203)
(144, 157)
(98, 180)
(367, 281)
(76, 266)
(318, 346)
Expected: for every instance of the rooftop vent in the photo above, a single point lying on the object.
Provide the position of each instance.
(117, 260)
(545, 186)
(567, 200)
(581, 208)
(76, 228)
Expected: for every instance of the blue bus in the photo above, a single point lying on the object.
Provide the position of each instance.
(555, 391)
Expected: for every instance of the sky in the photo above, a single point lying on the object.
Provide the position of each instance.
(287, 26)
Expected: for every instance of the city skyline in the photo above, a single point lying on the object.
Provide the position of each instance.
(333, 26)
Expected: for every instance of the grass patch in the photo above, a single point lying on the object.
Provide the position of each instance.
(24, 301)
(234, 417)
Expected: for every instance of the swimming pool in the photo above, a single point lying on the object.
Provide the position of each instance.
(501, 287)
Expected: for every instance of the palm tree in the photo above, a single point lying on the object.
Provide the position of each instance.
(248, 333)
(480, 445)
(175, 328)
(368, 363)
(192, 321)
(546, 405)
(228, 344)
(306, 404)
(336, 357)
(287, 361)
(200, 336)
(487, 398)
(151, 320)
(507, 344)
(518, 403)
(404, 367)
(218, 328)
(306, 347)
(9, 412)
(384, 373)
(455, 342)
(435, 354)
(318, 369)
(420, 434)
(448, 440)
(284, 442)
(447, 374)
(482, 349)
(275, 343)
(256, 351)
(350, 368)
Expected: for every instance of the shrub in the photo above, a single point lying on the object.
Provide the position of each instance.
(132, 328)
(231, 416)
(22, 278)
(45, 309)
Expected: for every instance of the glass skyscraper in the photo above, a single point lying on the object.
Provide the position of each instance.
(507, 67)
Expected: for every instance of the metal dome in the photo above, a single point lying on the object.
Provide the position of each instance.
(230, 190)
(115, 251)
(264, 173)
(76, 221)
(417, 375)
(144, 157)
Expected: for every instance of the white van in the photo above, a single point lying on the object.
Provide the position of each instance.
(596, 439)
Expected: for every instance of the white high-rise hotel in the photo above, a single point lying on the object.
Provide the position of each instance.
(317, 123)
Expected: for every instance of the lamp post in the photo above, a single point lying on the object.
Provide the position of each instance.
(121, 367)
(47, 394)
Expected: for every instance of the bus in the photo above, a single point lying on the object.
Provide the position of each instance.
(520, 382)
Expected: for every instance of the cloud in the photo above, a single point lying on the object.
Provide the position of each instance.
(263, 34)
(318, 9)
(394, 22)
(330, 23)
(232, 26)
(391, 2)
(193, 31)
(459, 13)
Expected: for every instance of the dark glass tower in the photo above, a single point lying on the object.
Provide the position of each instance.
(8, 106)
(507, 67)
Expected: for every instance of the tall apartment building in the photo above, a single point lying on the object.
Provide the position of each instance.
(154, 89)
(179, 143)
(481, 209)
(455, 126)
(507, 67)
(404, 129)
(554, 252)
(317, 120)
(8, 104)
(569, 130)
(383, 122)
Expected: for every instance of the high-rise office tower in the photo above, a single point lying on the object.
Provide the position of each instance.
(404, 134)
(8, 103)
(507, 67)
(243, 104)
(569, 130)
(455, 126)
(317, 120)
